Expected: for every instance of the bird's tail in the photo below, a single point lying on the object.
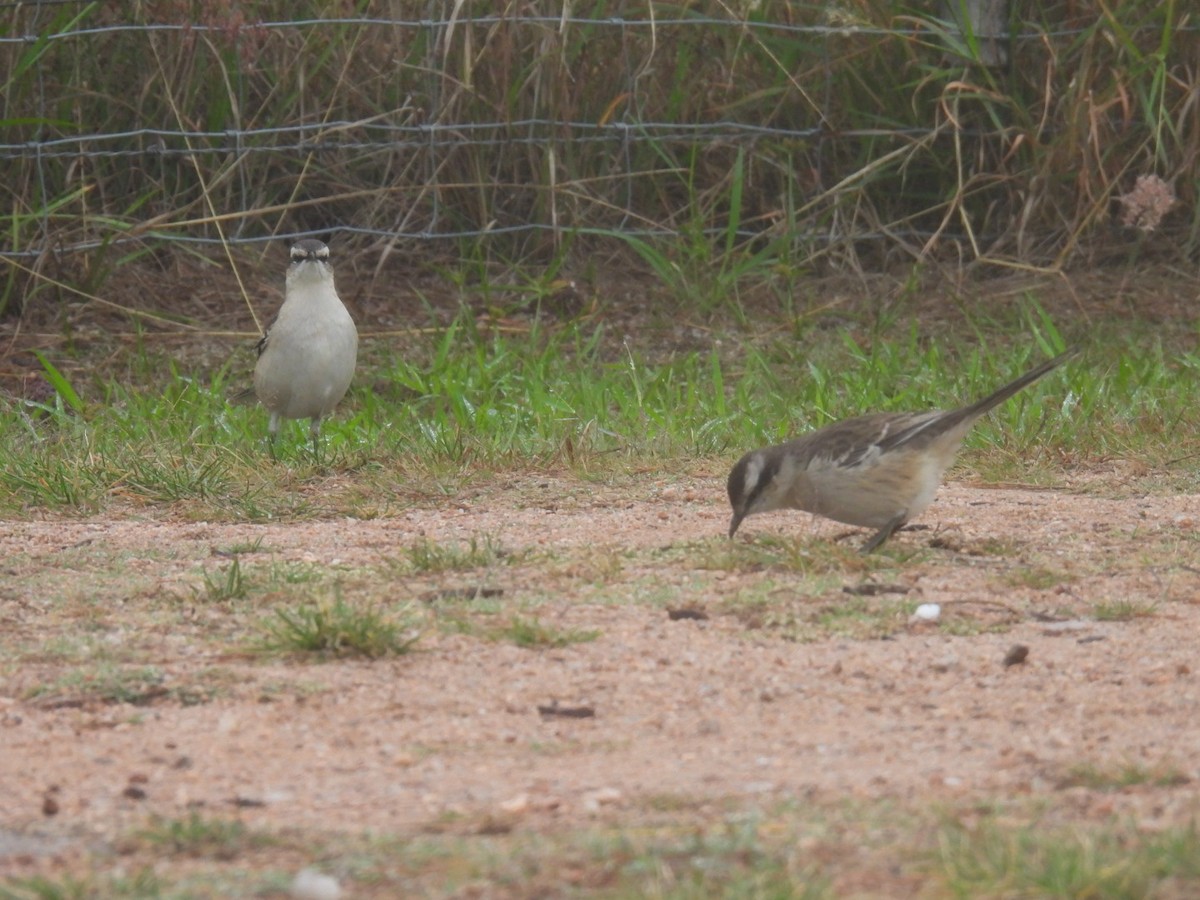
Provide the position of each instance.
(994, 399)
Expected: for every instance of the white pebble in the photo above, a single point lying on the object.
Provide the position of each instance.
(310, 884)
(927, 612)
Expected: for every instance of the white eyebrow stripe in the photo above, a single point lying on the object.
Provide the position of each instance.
(753, 472)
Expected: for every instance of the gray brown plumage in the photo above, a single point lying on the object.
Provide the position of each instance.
(878, 470)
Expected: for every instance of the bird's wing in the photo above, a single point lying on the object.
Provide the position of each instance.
(852, 442)
(261, 344)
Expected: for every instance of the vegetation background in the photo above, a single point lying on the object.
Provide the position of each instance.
(860, 135)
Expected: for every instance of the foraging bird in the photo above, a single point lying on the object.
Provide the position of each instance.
(878, 470)
(307, 356)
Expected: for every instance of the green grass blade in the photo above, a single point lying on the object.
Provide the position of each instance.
(60, 383)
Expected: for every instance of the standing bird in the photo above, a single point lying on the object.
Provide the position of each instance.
(307, 356)
(878, 470)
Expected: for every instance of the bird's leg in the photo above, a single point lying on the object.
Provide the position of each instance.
(272, 434)
(884, 533)
(314, 431)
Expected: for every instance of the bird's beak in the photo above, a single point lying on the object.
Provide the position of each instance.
(733, 525)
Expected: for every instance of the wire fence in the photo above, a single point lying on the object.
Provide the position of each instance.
(818, 124)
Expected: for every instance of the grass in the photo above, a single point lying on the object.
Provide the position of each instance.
(533, 634)
(991, 860)
(229, 584)
(199, 837)
(1038, 578)
(1115, 778)
(431, 557)
(821, 617)
(530, 632)
(255, 546)
(783, 851)
(338, 629)
(98, 680)
(754, 552)
(105, 682)
(1123, 610)
(483, 401)
(143, 885)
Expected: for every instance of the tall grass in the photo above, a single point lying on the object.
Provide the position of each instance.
(843, 134)
(475, 402)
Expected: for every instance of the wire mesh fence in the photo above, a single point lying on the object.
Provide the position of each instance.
(824, 130)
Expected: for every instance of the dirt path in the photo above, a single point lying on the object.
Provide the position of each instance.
(732, 708)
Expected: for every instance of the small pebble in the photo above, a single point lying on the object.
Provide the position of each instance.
(1066, 627)
(1016, 655)
(310, 884)
(593, 800)
(515, 805)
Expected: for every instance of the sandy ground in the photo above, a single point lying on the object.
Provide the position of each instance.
(730, 708)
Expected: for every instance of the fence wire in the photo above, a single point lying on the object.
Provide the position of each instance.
(601, 174)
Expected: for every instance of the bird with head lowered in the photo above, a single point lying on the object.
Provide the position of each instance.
(877, 471)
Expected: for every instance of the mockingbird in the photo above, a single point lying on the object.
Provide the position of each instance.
(307, 356)
(877, 471)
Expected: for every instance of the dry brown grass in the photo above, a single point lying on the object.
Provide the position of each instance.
(877, 142)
